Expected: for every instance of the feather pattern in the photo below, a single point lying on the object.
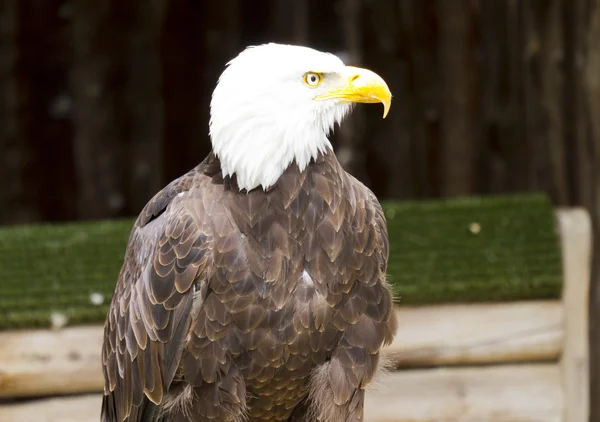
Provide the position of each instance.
(250, 306)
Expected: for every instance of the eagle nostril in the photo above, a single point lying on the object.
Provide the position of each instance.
(355, 77)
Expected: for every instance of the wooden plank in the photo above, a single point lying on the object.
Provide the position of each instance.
(84, 408)
(478, 333)
(507, 393)
(17, 194)
(550, 74)
(585, 80)
(493, 394)
(390, 175)
(459, 102)
(44, 107)
(347, 139)
(38, 362)
(99, 136)
(184, 86)
(143, 96)
(575, 228)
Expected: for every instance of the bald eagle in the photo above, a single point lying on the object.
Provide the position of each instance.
(253, 287)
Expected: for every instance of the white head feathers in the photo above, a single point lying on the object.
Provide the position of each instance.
(264, 116)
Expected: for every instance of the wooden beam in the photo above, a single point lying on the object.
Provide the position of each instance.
(506, 393)
(41, 362)
(38, 362)
(492, 394)
(97, 150)
(459, 101)
(575, 229)
(477, 333)
(85, 408)
(17, 193)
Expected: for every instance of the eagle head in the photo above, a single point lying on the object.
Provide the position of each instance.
(275, 105)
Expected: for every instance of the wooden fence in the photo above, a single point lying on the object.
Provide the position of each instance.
(101, 103)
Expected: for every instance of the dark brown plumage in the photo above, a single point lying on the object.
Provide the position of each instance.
(258, 306)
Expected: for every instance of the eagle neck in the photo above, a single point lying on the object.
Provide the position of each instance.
(260, 158)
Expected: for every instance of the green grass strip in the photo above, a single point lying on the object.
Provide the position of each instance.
(48, 269)
(460, 250)
(474, 250)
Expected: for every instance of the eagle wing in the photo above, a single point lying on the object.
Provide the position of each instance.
(368, 314)
(149, 316)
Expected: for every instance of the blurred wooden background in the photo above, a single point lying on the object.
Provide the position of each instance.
(102, 103)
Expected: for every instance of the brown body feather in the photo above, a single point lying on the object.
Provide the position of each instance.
(257, 306)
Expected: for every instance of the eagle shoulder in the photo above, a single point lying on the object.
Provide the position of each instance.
(369, 217)
(149, 316)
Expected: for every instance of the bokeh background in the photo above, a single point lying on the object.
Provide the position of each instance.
(104, 102)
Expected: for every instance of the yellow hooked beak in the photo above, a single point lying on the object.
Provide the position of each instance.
(362, 86)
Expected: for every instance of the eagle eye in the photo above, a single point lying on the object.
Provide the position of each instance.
(313, 79)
